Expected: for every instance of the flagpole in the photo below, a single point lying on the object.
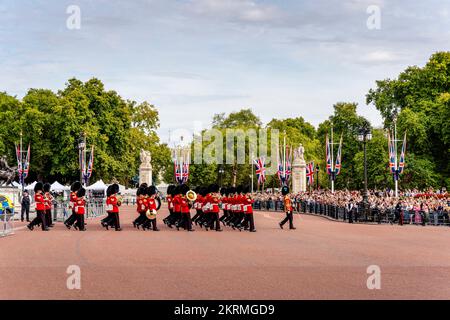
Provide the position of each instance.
(396, 162)
(284, 156)
(332, 158)
(22, 182)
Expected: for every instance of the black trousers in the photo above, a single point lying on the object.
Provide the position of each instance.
(116, 220)
(186, 221)
(48, 216)
(25, 210)
(40, 219)
(249, 220)
(290, 218)
(150, 223)
(80, 221)
(215, 220)
(71, 220)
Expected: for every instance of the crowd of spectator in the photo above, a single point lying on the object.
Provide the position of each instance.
(412, 206)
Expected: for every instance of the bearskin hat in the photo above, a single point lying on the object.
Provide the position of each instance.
(116, 188)
(231, 190)
(81, 192)
(110, 190)
(151, 190)
(47, 187)
(285, 190)
(143, 185)
(223, 191)
(75, 186)
(213, 188)
(245, 189)
(183, 189)
(140, 191)
(238, 189)
(39, 186)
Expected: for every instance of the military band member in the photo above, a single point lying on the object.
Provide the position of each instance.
(142, 207)
(112, 208)
(288, 208)
(153, 206)
(186, 221)
(214, 199)
(249, 222)
(48, 205)
(40, 208)
(177, 217)
(72, 200)
(80, 209)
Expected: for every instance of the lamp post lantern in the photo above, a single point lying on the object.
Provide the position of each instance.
(365, 135)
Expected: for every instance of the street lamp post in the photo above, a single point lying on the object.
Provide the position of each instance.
(82, 155)
(221, 172)
(365, 135)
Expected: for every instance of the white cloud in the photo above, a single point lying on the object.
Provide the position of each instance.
(236, 10)
(380, 56)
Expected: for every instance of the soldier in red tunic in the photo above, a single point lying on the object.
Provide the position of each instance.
(72, 200)
(80, 209)
(142, 206)
(40, 208)
(249, 222)
(186, 221)
(112, 208)
(153, 205)
(169, 219)
(48, 205)
(177, 207)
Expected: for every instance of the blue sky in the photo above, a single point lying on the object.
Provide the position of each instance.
(195, 58)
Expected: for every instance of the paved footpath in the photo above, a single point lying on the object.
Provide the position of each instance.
(322, 259)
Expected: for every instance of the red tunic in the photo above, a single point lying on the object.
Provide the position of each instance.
(111, 204)
(151, 204)
(214, 203)
(169, 202)
(48, 200)
(73, 199)
(40, 202)
(248, 207)
(142, 205)
(79, 206)
(177, 203)
(184, 205)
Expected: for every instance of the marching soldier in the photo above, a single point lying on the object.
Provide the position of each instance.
(48, 205)
(80, 209)
(112, 208)
(249, 222)
(142, 206)
(152, 207)
(177, 207)
(40, 208)
(213, 199)
(186, 221)
(72, 200)
(287, 208)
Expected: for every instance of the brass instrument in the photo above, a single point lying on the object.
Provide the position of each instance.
(151, 214)
(191, 195)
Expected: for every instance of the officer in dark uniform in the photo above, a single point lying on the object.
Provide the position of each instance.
(288, 208)
(25, 206)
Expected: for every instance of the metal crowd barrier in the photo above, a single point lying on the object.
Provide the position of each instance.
(94, 208)
(358, 214)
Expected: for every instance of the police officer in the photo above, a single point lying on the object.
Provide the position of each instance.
(25, 206)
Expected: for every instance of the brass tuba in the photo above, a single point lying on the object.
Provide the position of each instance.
(191, 195)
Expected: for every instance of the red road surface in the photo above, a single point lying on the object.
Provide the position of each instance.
(322, 259)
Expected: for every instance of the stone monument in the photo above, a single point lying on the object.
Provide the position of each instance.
(145, 169)
(299, 170)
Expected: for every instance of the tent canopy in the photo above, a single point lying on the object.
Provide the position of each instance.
(99, 185)
(31, 186)
(56, 186)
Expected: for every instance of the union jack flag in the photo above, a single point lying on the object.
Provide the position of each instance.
(310, 173)
(19, 160)
(392, 154)
(284, 167)
(185, 173)
(26, 166)
(260, 169)
(401, 165)
(337, 168)
(90, 164)
(178, 175)
(328, 154)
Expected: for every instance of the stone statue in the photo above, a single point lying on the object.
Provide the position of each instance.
(7, 174)
(145, 170)
(146, 159)
(300, 152)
